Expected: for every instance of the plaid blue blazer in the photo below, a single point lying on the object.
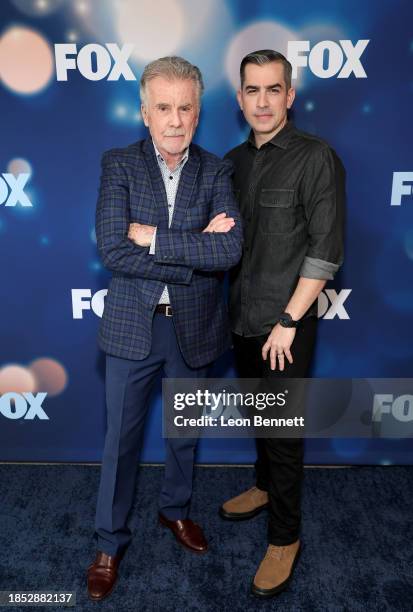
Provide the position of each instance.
(188, 261)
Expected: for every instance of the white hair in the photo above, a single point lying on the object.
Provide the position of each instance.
(171, 67)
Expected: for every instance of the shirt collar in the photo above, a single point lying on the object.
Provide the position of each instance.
(281, 139)
(161, 159)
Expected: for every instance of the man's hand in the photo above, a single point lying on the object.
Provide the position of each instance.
(220, 223)
(141, 234)
(278, 344)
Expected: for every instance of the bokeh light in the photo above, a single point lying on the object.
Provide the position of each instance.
(38, 8)
(26, 60)
(155, 28)
(19, 166)
(51, 377)
(16, 379)
(259, 35)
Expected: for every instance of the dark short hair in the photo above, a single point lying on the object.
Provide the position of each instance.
(266, 56)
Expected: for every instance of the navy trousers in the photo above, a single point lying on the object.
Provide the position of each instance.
(128, 386)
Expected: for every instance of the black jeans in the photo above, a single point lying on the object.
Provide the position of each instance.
(279, 465)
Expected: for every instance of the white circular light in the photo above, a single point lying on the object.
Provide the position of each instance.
(155, 28)
(259, 35)
(72, 36)
(82, 7)
(37, 8)
(120, 110)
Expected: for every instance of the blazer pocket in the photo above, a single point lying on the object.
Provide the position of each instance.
(276, 211)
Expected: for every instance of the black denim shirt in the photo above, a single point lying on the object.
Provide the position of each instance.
(291, 194)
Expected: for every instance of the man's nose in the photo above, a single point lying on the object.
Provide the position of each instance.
(175, 118)
(262, 101)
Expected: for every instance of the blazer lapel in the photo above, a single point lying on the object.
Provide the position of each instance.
(156, 182)
(185, 187)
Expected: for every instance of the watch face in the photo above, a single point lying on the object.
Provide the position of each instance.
(287, 321)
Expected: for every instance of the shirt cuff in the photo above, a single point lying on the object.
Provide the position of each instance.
(152, 247)
(318, 269)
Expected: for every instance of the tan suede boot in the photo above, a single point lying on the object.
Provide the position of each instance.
(244, 506)
(275, 570)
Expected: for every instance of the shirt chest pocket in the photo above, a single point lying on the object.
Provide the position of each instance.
(276, 211)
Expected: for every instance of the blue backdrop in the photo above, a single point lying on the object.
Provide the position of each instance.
(64, 102)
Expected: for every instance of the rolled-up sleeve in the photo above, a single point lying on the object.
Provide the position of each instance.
(324, 206)
(319, 269)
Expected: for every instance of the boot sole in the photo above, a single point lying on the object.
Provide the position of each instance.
(241, 516)
(268, 593)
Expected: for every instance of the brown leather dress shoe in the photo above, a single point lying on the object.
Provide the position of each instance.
(101, 575)
(188, 533)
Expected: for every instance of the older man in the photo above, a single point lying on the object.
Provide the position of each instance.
(166, 225)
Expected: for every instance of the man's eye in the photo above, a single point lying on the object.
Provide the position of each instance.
(163, 108)
(275, 90)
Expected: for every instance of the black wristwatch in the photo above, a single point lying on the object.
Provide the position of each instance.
(286, 320)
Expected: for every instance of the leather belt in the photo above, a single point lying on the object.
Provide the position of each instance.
(165, 309)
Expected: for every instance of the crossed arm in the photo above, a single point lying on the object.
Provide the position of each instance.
(216, 247)
(142, 234)
(121, 252)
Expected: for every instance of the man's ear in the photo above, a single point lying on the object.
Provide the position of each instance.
(290, 97)
(144, 115)
(197, 117)
(239, 98)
